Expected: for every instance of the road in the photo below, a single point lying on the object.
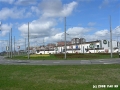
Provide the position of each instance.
(4, 61)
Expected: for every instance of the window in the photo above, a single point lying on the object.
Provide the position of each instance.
(117, 44)
(108, 44)
(97, 46)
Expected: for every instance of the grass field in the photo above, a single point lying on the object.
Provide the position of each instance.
(81, 77)
(69, 56)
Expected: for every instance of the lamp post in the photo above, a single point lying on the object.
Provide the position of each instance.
(10, 41)
(110, 36)
(6, 46)
(65, 36)
(44, 45)
(0, 25)
(28, 42)
(25, 44)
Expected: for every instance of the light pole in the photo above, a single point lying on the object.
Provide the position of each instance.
(44, 45)
(28, 42)
(11, 42)
(0, 25)
(25, 44)
(14, 45)
(110, 36)
(65, 36)
(5, 45)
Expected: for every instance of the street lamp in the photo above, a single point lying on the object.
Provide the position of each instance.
(111, 36)
(28, 42)
(10, 55)
(65, 36)
(6, 46)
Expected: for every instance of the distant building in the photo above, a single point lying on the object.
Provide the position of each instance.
(89, 47)
(78, 41)
(77, 45)
(62, 43)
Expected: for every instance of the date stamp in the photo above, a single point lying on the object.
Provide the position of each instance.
(105, 86)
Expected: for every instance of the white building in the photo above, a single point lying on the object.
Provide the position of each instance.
(98, 46)
(81, 46)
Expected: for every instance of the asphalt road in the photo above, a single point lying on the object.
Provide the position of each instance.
(4, 61)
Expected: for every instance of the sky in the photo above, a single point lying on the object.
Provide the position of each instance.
(89, 19)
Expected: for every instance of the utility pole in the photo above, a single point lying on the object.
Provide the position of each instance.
(9, 45)
(28, 42)
(7, 49)
(111, 36)
(25, 44)
(44, 45)
(0, 25)
(11, 42)
(65, 36)
(14, 45)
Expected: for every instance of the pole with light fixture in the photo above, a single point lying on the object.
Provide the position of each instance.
(11, 42)
(65, 36)
(111, 36)
(28, 42)
(0, 25)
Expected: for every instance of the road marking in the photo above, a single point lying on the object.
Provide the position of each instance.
(56, 62)
(107, 63)
(44, 64)
(101, 61)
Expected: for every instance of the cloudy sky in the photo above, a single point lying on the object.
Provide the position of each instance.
(84, 18)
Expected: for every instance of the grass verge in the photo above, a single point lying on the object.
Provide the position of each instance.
(81, 77)
(69, 56)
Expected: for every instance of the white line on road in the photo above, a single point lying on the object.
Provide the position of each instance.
(44, 64)
(107, 63)
(56, 62)
(101, 61)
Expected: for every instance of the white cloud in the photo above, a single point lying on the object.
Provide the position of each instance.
(104, 3)
(25, 2)
(84, 0)
(91, 24)
(102, 32)
(116, 31)
(75, 32)
(106, 33)
(45, 26)
(36, 10)
(5, 28)
(7, 1)
(78, 31)
(13, 13)
(40, 28)
(54, 8)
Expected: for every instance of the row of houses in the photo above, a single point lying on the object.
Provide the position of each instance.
(77, 45)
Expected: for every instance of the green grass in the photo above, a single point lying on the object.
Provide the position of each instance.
(69, 56)
(81, 77)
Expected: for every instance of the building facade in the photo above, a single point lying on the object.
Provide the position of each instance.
(81, 46)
